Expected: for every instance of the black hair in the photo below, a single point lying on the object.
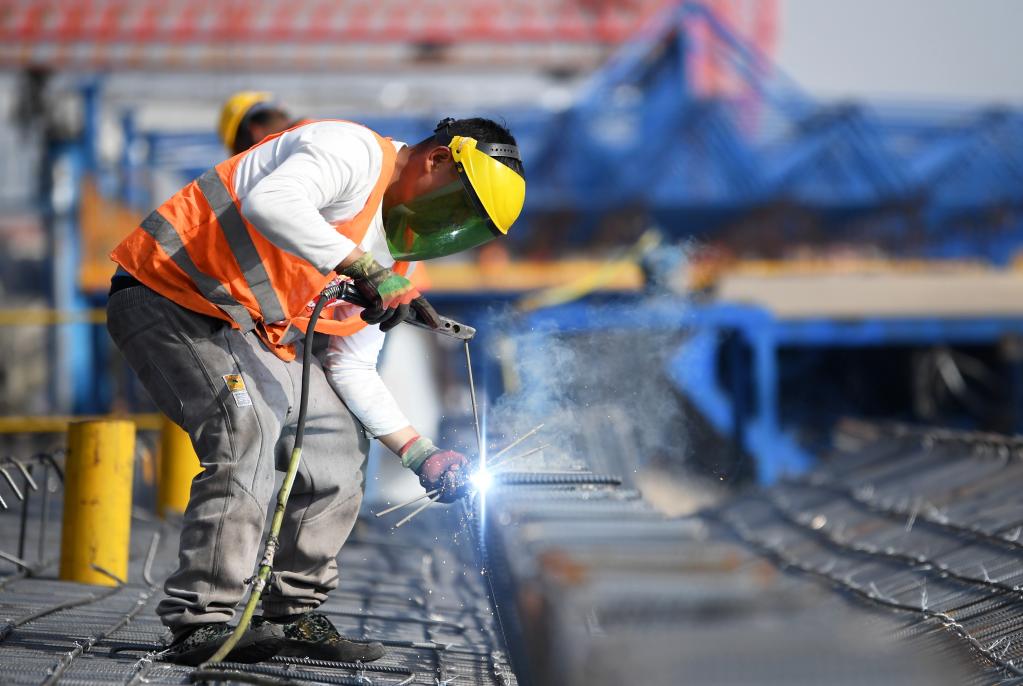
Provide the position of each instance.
(484, 131)
(261, 117)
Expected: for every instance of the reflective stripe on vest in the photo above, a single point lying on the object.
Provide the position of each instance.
(164, 234)
(199, 251)
(233, 227)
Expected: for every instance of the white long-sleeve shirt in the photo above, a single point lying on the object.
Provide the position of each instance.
(291, 189)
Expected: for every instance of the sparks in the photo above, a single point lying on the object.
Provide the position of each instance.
(481, 480)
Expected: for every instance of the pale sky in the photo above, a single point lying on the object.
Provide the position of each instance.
(904, 49)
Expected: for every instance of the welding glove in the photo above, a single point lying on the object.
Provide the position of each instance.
(437, 469)
(391, 293)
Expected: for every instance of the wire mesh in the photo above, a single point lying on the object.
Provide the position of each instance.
(416, 590)
(925, 523)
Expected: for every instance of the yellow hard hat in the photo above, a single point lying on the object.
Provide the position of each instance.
(500, 190)
(234, 111)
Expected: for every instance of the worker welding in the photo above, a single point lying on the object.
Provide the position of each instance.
(660, 342)
(329, 198)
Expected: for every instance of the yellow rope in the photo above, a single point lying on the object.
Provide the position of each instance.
(41, 316)
(50, 424)
(591, 281)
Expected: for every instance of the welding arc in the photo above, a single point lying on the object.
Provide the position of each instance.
(479, 446)
(407, 503)
(518, 440)
(437, 490)
(417, 511)
(270, 547)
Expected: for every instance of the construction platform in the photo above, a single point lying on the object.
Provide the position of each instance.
(426, 604)
(923, 525)
(895, 562)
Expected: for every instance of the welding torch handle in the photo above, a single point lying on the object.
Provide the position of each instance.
(448, 327)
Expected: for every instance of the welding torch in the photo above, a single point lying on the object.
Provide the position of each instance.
(448, 327)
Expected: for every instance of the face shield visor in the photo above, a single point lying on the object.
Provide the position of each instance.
(480, 206)
(437, 224)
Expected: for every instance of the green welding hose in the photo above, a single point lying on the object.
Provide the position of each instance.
(272, 542)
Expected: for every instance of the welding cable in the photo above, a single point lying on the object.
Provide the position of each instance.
(259, 581)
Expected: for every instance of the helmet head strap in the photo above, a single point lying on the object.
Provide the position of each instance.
(442, 133)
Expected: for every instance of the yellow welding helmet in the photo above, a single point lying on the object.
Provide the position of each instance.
(481, 205)
(235, 109)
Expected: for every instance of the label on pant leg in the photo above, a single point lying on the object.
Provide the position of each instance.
(236, 385)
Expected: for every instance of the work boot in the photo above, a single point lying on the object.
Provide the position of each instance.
(312, 635)
(198, 644)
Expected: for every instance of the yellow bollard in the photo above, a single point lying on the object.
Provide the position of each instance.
(178, 465)
(97, 501)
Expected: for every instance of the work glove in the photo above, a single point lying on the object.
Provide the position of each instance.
(391, 293)
(437, 469)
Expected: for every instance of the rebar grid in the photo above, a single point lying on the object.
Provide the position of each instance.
(925, 522)
(426, 603)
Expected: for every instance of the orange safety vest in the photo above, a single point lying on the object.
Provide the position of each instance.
(199, 251)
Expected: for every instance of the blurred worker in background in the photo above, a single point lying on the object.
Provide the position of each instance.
(248, 117)
(208, 305)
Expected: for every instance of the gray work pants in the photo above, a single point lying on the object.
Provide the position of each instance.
(241, 437)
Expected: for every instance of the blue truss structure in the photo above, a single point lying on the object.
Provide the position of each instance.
(931, 181)
(920, 180)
